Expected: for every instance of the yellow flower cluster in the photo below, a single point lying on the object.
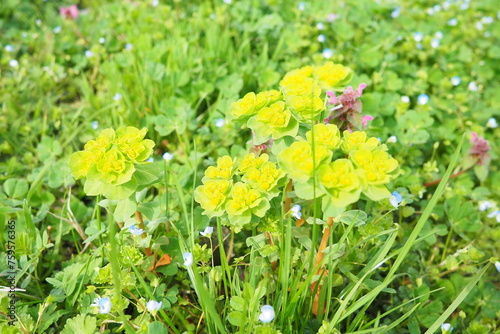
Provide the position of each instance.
(241, 200)
(250, 104)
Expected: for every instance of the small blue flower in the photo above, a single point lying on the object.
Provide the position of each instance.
(396, 12)
(485, 205)
(301, 6)
(495, 214)
(439, 35)
(296, 211)
(452, 22)
(13, 63)
(266, 314)
(320, 26)
(188, 259)
(129, 46)
(102, 40)
(435, 43)
(207, 232)
(492, 123)
(321, 38)
(455, 81)
(418, 36)
(155, 3)
(392, 139)
(405, 99)
(220, 122)
(153, 306)
(9, 48)
(446, 328)
(94, 125)
(89, 54)
(168, 156)
(57, 29)
(327, 53)
(497, 265)
(104, 304)
(135, 231)
(151, 159)
(472, 86)
(117, 97)
(423, 99)
(395, 199)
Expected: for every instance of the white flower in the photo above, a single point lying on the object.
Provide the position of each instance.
(320, 26)
(423, 99)
(57, 30)
(155, 3)
(266, 314)
(104, 304)
(135, 231)
(439, 35)
(396, 12)
(437, 8)
(446, 327)
(301, 6)
(405, 99)
(419, 46)
(168, 156)
(89, 54)
(472, 86)
(497, 265)
(102, 40)
(321, 38)
(296, 211)
(13, 63)
(418, 36)
(395, 199)
(117, 97)
(492, 123)
(479, 25)
(188, 259)
(151, 159)
(208, 231)
(153, 306)
(455, 81)
(220, 122)
(129, 46)
(227, 1)
(435, 43)
(94, 125)
(452, 22)
(464, 6)
(430, 11)
(485, 205)
(38, 22)
(392, 139)
(9, 48)
(327, 53)
(446, 5)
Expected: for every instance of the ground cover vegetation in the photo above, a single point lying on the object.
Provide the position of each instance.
(249, 166)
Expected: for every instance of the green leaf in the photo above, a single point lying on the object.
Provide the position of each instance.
(236, 318)
(125, 208)
(238, 303)
(156, 328)
(81, 324)
(16, 188)
(147, 174)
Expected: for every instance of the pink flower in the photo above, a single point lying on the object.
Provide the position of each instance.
(366, 119)
(332, 17)
(70, 12)
(480, 148)
(333, 98)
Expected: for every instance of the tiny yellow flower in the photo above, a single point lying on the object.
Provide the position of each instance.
(212, 196)
(338, 175)
(223, 170)
(331, 75)
(130, 141)
(243, 198)
(266, 98)
(250, 161)
(376, 166)
(244, 107)
(326, 135)
(297, 160)
(264, 178)
(113, 168)
(356, 140)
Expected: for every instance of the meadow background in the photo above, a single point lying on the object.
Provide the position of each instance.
(175, 68)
